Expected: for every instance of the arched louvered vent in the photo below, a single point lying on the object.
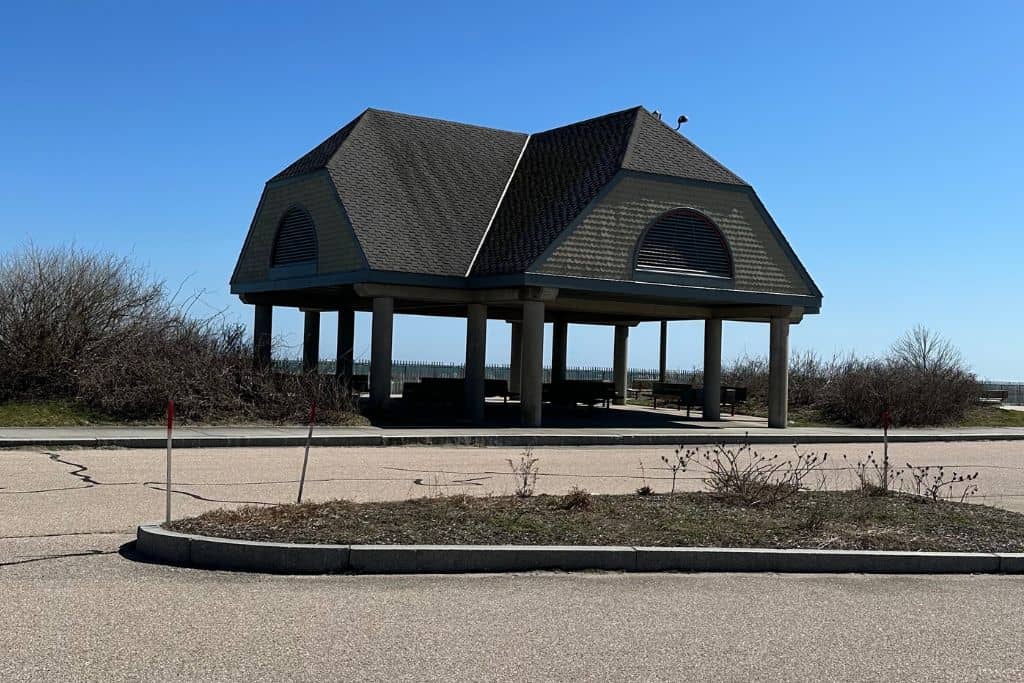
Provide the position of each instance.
(296, 239)
(684, 242)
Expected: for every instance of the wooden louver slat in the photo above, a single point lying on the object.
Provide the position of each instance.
(296, 239)
(684, 242)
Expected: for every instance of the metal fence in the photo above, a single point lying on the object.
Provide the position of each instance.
(413, 371)
(1015, 391)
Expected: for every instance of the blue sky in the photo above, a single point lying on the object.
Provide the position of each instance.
(885, 138)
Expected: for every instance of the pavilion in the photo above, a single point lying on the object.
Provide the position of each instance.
(614, 220)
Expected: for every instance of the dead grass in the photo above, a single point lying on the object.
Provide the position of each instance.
(836, 520)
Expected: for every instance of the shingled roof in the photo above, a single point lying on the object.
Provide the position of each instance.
(437, 197)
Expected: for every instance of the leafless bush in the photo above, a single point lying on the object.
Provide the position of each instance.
(95, 329)
(576, 499)
(677, 464)
(750, 477)
(922, 381)
(875, 476)
(524, 473)
(645, 488)
(933, 482)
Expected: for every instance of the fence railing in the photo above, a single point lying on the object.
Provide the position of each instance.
(413, 371)
(1015, 391)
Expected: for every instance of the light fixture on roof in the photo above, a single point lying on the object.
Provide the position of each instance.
(656, 114)
(681, 120)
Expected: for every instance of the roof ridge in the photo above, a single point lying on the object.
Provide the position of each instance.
(590, 120)
(497, 207)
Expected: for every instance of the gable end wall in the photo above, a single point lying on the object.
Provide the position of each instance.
(337, 245)
(601, 244)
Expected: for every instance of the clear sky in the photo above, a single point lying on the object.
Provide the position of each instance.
(885, 138)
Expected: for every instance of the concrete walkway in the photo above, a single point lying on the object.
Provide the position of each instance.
(685, 432)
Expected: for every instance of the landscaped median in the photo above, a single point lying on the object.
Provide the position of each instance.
(847, 531)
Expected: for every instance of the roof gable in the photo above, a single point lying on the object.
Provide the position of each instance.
(561, 171)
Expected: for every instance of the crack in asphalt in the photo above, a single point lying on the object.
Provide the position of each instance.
(80, 472)
(161, 487)
(473, 481)
(44, 558)
(119, 532)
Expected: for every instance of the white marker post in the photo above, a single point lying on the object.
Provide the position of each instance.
(170, 428)
(305, 459)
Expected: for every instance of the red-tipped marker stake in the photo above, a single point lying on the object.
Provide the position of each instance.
(170, 429)
(305, 459)
(886, 421)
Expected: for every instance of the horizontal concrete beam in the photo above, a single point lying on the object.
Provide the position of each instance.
(440, 294)
(160, 545)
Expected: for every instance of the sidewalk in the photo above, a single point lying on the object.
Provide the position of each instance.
(689, 433)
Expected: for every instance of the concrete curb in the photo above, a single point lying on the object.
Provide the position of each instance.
(169, 547)
(511, 440)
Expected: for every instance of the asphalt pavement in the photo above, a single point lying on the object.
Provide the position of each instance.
(75, 605)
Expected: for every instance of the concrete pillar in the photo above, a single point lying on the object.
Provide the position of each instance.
(559, 350)
(778, 373)
(476, 352)
(380, 351)
(712, 368)
(663, 352)
(346, 346)
(262, 333)
(620, 365)
(531, 388)
(311, 342)
(515, 361)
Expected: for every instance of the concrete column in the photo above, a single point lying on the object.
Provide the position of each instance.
(559, 350)
(262, 333)
(712, 368)
(380, 351)
(515, 361)
(311, 342)
(531, 388)
(663, 352)
(778, 373)
(476, 352)
(620, 365)
(346, 346)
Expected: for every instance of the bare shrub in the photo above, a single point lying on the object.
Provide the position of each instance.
(576, 499)
(645, 489)
(874, 477)
(934, 482)
(524, 473)
(923, 381)
(752, 478)
(96, 329)
(678, 464)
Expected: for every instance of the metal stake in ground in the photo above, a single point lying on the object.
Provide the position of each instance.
(305, 459)
(886, 421)
(170, 429)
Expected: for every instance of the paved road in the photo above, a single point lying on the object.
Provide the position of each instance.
(622, 425)
(74, 608)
